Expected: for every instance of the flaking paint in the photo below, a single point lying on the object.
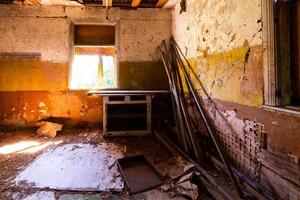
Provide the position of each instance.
(40, 83)
(234, 76)
(223, 41)
(27, 108)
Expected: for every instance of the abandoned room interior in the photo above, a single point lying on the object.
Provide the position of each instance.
(149, 99)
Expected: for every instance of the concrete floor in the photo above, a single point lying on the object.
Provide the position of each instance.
(76, 167)
(76, 164)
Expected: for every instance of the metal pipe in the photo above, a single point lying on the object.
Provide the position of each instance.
(183, 104)
(225, 192)
(197, 100)
(179, 120)
(184, 139)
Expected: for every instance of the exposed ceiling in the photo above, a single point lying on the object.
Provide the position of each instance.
(129, 4)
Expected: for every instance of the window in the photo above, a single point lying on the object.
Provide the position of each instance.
(93, 65)
(295, 52)
(287, 44)
(282, 56)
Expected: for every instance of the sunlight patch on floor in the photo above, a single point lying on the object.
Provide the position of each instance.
(26, 147)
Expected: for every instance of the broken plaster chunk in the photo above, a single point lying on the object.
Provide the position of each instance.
(189, 189)
(174, 167)
(180, 167)
(165, 187)
(188, 167)
(186, 178)
(49, 129)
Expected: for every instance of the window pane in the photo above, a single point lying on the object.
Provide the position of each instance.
(108, 71)
(93, 68)
(84, 73)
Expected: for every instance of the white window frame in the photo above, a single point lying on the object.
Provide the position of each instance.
(75, 22)
(269, 57)
(271, 101)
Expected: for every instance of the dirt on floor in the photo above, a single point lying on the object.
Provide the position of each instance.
(19, 148)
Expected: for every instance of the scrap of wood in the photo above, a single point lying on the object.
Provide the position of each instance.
(282, 167)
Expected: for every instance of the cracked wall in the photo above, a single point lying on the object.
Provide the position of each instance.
(35, 56)
(222, 39)
(230, 73)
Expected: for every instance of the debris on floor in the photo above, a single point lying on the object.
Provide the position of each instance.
(165, 187)
(156, 194)
(174, 167)
(80, 197)
(138, 173)
(189, 189)
(40, 196)
(80, 164)
(186, 177)
(182, 171)
(79, 167)
(49, 129)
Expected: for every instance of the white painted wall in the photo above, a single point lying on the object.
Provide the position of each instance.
(46, 30)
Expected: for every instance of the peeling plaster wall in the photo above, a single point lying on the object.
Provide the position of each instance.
(20, 34)
(139, 61)
(217, 25)
(72, 108)
(46, 30)
(230, 73)
(35, 56)
(222, 39)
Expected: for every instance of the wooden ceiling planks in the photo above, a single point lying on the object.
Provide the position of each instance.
(115, 3)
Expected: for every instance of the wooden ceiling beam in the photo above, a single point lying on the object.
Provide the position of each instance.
(33, 2)
(135, 3)
(161, 3)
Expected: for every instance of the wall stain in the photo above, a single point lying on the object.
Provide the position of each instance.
(234, 75)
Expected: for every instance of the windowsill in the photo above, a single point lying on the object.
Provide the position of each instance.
(94, 46)
(291, 110)
(90, 89)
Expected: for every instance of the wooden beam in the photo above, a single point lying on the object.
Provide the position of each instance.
(33, 2)
(135, 3)
(269, 57)
(161, 3)
(281, 166)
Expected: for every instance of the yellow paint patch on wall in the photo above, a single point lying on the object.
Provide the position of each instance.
(142, 75)
(32, 74)
(234, 76)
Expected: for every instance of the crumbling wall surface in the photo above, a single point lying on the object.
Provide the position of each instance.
(46, 36)
(217, 26)
(27, 108)
(35, 59)
(223, 42)
(260, 145)
(139, 62)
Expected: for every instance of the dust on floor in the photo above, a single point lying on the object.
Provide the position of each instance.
(76, 167)
(20, 152)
